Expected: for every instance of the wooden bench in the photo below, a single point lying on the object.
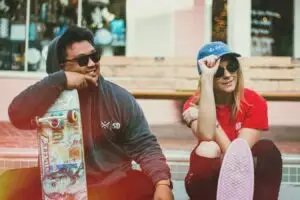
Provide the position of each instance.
(276, 78)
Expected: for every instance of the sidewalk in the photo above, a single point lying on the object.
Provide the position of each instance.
(170, 136)
(177, 142)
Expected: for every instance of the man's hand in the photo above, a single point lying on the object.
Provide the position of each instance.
(77, 80)
(209, 65)
(163, 192)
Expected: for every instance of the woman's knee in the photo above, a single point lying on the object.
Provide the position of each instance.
(208, 149)
(266, 147)
(266, 152)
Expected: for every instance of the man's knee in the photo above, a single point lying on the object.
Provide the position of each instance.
(20, 177)
(19, 184)
(208, 149)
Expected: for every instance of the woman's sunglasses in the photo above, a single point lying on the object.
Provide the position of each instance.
(231, 68)
(84, 59)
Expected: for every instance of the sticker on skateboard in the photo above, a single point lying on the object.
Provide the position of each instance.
(61, 152)
(236, 180)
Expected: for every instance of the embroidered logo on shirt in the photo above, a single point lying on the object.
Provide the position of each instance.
(110, 125)
(116, 125)
(105, 124)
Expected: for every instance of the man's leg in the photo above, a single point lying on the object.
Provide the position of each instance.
(135, 186)
(268, 170)
(202, 179)
(21, 184)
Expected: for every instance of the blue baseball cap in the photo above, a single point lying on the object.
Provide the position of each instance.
(217, 48)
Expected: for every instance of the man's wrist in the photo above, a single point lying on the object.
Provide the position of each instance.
(165, 183)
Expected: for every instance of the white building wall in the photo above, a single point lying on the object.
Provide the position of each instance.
(239, 26)
(164, 27)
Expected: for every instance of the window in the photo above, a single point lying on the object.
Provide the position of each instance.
(12, 34)
(47, 19)
(219, 20)
(272, 28)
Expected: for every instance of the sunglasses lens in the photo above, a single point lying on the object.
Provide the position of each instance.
(83, 60)
(232, 68)
(220, 72)
(95, 57)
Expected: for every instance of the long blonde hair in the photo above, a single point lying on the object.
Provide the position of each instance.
(238, 93)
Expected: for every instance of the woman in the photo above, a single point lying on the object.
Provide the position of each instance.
(221, 111)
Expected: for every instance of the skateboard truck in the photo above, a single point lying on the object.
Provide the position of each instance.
(54, 121)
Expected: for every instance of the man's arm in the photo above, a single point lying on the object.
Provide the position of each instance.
(35, 100)
(142, 146)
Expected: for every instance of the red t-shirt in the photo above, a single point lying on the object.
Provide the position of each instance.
(253, 114)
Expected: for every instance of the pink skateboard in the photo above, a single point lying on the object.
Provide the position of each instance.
(236, 180)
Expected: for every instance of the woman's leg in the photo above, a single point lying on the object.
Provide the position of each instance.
(21, 184)
(268, 170)
(202, 179)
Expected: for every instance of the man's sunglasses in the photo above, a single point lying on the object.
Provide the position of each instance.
(84, 59)
(231, 68)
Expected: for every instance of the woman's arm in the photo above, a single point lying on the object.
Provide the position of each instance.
(206, 123)
(256, 119)
(220, 136)
(250, 135)
(207, 108)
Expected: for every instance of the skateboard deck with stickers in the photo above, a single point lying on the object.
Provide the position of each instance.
(61, 151)
(236, 180)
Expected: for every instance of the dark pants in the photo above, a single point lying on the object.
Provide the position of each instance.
(202, 179)
(25, 184)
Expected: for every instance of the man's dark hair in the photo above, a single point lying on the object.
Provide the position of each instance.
(71, 35)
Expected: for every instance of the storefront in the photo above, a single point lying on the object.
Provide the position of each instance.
(43, 20)
(148, 28)
(258, 28)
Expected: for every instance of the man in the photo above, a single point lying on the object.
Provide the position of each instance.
(73, 63)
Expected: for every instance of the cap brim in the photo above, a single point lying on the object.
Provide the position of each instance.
(230, 53)
(223, 54)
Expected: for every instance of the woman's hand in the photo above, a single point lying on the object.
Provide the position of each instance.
(190, 114)
(209, 65)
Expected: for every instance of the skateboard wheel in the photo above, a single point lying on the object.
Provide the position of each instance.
(72, 116)
(54, 123)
